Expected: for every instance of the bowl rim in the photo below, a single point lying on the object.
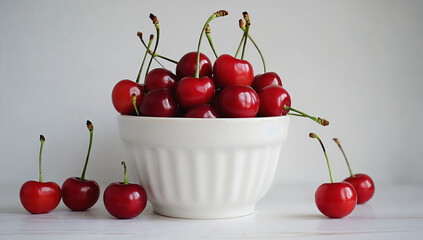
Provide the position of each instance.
(204, 120)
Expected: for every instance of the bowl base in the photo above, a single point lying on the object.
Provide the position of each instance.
(203, 213)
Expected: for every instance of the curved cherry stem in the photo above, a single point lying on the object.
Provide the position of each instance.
(145, 56)
(319, 120)
(134, 102)
(42, 139)
(125, 178)
(208, 35)
(247, 27)
(220, 13)
(90, 128)
(240, 43)
(345, 156)
(148, 49)
(313, 135)
(156, 24)
(242, 26)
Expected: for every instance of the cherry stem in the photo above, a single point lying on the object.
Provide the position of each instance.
(125, 179)
(156, 54)
(319, 120)
(247, 27)
(134, 102)
(210, 40)
(42, 139)
(149, 51)
(90, 128)
(242, 26)
(345, 156)
(313, 135)
(156, 24)
(145, 56)
(240, 43)
(220, 13)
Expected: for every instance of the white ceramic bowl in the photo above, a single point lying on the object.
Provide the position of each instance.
(204, 168)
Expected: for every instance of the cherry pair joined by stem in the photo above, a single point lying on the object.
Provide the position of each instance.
(38, 196)
(79, 193)
(124, 200)
(334, 199)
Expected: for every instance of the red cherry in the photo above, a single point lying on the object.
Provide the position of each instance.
(273, 99)
(238, 101)
(363, 185)
(122, 96)
(80, 195)
(159, 103)
(336, 200)
(40, 197)
(266, 79)
(160, 78)
(229, 71)
(187, 64)
(124, 200)
(191, 92)
(202, 111)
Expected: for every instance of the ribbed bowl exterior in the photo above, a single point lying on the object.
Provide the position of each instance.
(204, 168)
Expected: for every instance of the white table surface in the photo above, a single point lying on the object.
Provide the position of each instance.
(287, 211)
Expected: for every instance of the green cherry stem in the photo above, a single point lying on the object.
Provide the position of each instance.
(156, 24)
(345, 156)
(247, 27)
(208, 35)
(242, 26)
(149, 51)
(220, 13)
(145, 56)
(42, 139)
(156, 54)
(125, 178)
(134, 102)
(313, 135)
(90, 128)
(319, 120)
(241, 23)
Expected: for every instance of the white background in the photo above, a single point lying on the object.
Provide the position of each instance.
(358, 64)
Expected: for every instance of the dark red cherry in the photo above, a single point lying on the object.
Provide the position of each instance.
(273, 98)
(159, 103)
(202, 111)
(122, 96)
(187, 65)
(266, 79)
(238, 101)
(191, 92)
(160, 78)
(229, 71)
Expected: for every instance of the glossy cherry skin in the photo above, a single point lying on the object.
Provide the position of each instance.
(191, 92)
(124, 201)
(273, 98)
(40, 197)
(363, 185)
(336, 200)
(266, 79)
(202, 111)
(238, 101)
(159, 103)
(160, 78)
(229, 71)
(122, 96)
(187, 65)
(80, 195)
